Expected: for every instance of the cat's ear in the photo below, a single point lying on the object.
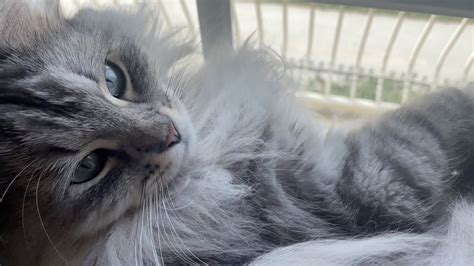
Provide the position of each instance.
(21, 19)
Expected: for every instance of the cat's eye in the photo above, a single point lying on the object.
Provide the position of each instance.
(115, 80)
(90, 167)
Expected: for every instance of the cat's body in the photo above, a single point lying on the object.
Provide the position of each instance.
(253, 172)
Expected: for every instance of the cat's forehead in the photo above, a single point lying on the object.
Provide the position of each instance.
(68, 49)
(80, 43)
(84, 50)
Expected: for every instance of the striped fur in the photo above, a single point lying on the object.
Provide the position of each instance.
(257, 178)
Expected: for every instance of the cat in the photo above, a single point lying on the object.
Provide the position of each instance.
(118, 146)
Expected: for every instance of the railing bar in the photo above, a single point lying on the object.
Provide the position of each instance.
(258, 12)
(447, 49)
(391, 42)
(360, 52)
(284, 46)
(388, 52)
(354, 82)
(379, 89)
(406, 86)
(215, 25)
(340, 19)
(468, 67)
(187, 14)
(337, 35)
(235, 21)
(309, 49)
(328, 84)
(421, 40)
(368, 24)
(456, 8)
(414, 55)
(362, 74)
(164, 13)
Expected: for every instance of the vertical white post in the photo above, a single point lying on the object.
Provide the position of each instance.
(386, 56)
(284, 45)
(446, 50)
(235, 22)
(335, 46)
(467, 68)
(337, 35)
(309, 49)
(360, 53)
(414, 55)
(258, 12)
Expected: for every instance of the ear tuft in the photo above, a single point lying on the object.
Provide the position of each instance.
(19, 20)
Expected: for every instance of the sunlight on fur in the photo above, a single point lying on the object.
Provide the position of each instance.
(119, 145)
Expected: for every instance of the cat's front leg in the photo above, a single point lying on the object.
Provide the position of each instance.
(452, 247)
(401, 172)
(389, 249)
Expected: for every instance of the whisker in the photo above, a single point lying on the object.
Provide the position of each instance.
(42, 223)
(23, 206)
(158, 224)
(150, 224)
(174, 244)
(180, 220)
(177, 235)
(171, 244)
(172, 71)
(181, 84)
(13, 180)
(140, 244)
(135, 247)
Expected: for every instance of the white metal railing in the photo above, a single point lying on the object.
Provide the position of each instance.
(381, 85)
(334, 73)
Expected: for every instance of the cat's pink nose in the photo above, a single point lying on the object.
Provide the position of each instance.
(173, 138)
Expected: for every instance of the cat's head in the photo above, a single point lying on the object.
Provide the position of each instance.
(89, 124)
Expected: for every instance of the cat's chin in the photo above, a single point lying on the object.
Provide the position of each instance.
(161, 180)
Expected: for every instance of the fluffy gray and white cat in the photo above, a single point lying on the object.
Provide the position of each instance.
(117, 148)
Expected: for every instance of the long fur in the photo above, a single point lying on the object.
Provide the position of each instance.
(206, 218)
(266, 183)
(452, 247)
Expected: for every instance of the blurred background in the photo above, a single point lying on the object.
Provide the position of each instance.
(344, 58)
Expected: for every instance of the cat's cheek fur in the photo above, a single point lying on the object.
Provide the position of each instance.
(107, 214)
(162, 174)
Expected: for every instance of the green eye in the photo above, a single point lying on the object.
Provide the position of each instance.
(89, 167)
(115, 80)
